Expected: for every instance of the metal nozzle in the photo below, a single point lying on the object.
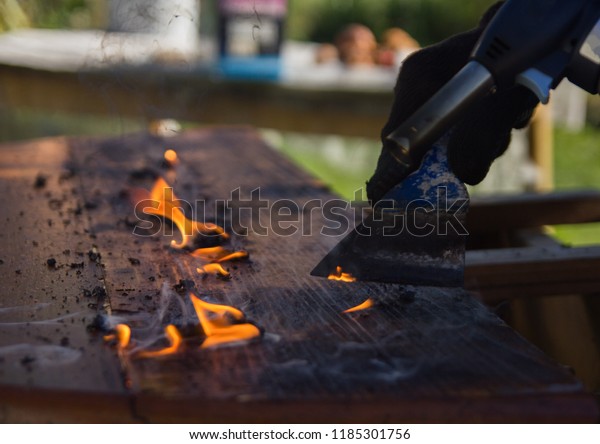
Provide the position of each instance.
(439, 113)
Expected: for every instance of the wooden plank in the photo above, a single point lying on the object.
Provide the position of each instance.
(541, 146)
(44, 310)
(532, 271)
(417, 347)
(421, 354)
(528, 210)
(148, 94)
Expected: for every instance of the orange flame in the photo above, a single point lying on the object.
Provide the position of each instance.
(171, 157)
(219, 254)
(209, 253)
(122, 334)
(174, 338)
(214, 269)
(339, 276)
(231, 335)
(222, 324)
(367, 304)
(241, 254)
(163, 194)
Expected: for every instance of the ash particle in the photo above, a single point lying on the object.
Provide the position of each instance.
(99, 324)
(99, 292)
(183, 286)
(40, 181)
(94, 256)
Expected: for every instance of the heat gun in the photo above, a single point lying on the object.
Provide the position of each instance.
(535, 43)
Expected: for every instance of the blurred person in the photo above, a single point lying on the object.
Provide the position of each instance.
(396, 45)
(356, 45)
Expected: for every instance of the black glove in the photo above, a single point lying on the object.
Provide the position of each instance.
(482, 136)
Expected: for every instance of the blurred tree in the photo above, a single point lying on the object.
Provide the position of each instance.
(316, 20)
(427, 20)
(12, 15)
(430, 21)
(52, 13)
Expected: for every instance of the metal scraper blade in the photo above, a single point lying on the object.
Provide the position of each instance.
(415, 235)
(372, 252)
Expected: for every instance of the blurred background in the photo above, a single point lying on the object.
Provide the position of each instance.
(310, 20)
(316, 78)
(341, 161)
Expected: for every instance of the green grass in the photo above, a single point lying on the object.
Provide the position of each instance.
(577, 158)
(344, 164)
(577, 165)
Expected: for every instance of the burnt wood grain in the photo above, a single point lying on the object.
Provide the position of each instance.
(51, 290)
(419, 355)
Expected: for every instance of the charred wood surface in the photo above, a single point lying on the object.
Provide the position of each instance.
(420, 354)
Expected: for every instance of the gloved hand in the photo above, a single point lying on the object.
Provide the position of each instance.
(482, 136)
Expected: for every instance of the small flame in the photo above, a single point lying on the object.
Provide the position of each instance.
(367, 304)
(339, 276)
(174, 338)
(219, 254)
(122, 334)
(171, 157)
(214, 269)
(209, 253)
(222, 324)
(163, 194)
(231, 335)
(223, 315)
(241, 254)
